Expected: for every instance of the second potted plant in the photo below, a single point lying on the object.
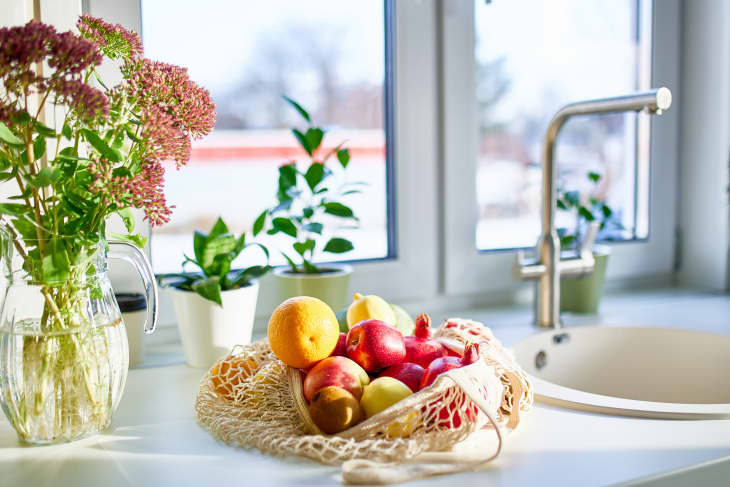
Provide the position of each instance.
(308, 200)
(583, 294)
(215, 306)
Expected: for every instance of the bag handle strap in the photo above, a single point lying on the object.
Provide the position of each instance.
(426, 464)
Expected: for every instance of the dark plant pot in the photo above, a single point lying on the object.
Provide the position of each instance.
(583, 295)
(332, 287)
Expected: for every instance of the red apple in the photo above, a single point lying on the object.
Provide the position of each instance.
(408, 373)
(375, 345)
(421, 349)
(341, 347)
(335, 371)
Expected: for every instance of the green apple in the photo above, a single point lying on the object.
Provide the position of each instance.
(382, 393)
(342, 320)
(403, 321)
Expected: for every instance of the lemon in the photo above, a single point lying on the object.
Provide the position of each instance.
(370, 307)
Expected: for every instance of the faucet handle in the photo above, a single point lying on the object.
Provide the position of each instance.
(527, 268)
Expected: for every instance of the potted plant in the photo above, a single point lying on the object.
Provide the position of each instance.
(76, 151)
(309, 207)
(215, 306)
(583, 294)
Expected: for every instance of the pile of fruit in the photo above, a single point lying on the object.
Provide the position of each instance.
(364, 362)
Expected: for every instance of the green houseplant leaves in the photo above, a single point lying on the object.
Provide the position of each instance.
(213, 255)
(309, 200)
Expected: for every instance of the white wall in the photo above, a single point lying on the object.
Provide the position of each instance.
(705, 144)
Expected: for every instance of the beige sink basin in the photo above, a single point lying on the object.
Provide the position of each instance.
(631, 371)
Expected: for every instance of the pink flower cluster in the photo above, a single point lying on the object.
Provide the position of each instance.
(68, 56)
(113, 40)
(171, 109)
(175, 106)
(143, 190)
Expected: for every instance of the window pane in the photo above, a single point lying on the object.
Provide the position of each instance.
(533, 57)
(329, 55)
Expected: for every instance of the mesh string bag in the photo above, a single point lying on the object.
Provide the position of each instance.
(251, 399)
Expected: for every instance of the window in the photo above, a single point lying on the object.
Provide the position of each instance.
(530, 58)
(527, 66)
(437, 48)
(248, 54)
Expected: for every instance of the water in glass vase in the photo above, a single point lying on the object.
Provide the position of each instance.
(61, 385)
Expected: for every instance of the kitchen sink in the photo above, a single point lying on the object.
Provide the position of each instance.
(631, 371)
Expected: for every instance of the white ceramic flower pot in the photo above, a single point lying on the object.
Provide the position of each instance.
(209, 331)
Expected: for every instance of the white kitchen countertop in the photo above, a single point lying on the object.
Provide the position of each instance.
(154, 439)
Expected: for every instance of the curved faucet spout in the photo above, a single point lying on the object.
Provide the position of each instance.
(547, 268)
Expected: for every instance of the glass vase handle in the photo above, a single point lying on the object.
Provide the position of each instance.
(130, 253)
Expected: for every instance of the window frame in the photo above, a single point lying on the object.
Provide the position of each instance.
(412, 272)
(469, 270)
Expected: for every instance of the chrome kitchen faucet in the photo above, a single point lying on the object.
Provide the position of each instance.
(547, 267)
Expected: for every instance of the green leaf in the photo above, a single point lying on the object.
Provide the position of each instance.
(287, 177)
(338, 246)
(607, 212)
(219, 228)
(302, 140)
(303, 247)
(127, 218)
(209, 288)
(561, 204)
(343, 155)
(298, 108)
(55, 265)
(246, 275)
(220, 267)
(14, 209)
(314, 227)
(9, 137)
(259, 223)
(594, 176)
(292, 264)
(101, 146)
(118, 141)
(21, 117)
(338, 209)
(314, 138)
(8, 175)
(314, 175)
(199, 241)
(572, 198)
(309, 268)
(356, 191)
(66, 131)
(221, 244)
(4, 162)
(45, 177)
(39, 147)
(240, 244)
(284, 225)
(308, 212)
(586, 213)
(43, 130)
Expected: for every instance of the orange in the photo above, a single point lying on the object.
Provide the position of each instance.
(302, 331)
(229, 373)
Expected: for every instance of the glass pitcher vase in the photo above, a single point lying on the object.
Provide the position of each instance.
(63, 346)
